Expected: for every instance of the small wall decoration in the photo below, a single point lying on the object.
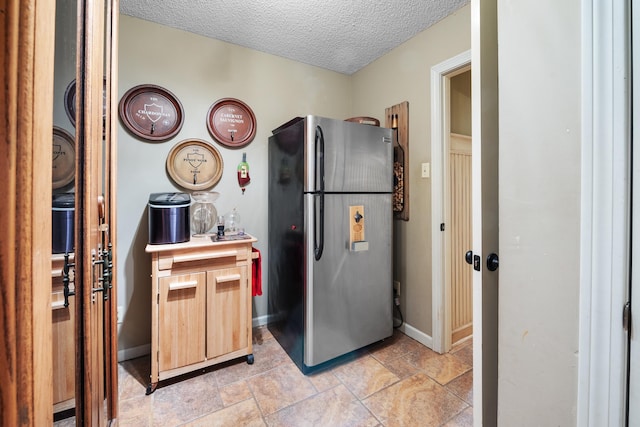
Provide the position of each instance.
(195, 164)
(231, 122)
(64, 158)
(243, 173)
(151, 112)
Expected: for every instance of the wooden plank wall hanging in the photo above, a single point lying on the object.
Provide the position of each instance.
(400, 157)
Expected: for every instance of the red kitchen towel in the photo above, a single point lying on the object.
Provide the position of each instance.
(256, 273)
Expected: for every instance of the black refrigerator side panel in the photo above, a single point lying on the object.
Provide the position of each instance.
(286, 240)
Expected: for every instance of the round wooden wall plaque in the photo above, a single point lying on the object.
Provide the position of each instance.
(195, 164)
(151, 112)
(231, 122)
(64, 158)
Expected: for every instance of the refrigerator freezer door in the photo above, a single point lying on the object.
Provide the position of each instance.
(348, 292)
(357, 158)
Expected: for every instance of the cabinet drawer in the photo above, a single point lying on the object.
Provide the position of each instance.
(181, 320)
(227, 310)
(201, 258)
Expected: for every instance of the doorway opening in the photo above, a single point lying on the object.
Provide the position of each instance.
(451, 201)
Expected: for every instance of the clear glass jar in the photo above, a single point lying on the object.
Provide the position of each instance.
(203, 212)
(232, 222)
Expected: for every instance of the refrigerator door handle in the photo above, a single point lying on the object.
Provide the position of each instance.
(319, 167)
(318, 228)
(318, 243)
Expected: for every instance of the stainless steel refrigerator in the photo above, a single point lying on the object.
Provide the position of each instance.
(330, 238)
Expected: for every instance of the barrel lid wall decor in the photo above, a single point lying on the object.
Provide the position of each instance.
(231, 122)
(151, 112)
(194, 164)
(64, 158)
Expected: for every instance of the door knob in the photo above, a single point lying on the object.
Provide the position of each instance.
(472, 260)
(469, 257)
(492, 262)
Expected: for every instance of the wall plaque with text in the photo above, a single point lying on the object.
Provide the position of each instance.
(151, 112)
(194, 164)
(231, 122)
(64, 158)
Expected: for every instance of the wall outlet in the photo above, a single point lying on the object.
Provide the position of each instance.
(120, 313)
(396, 286)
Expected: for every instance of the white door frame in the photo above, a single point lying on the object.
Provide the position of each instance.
(440, 127)
(634, 343)
(604, 222)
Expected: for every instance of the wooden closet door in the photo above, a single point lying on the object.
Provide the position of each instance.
(26, 70)
(95, 207)
(89, 182)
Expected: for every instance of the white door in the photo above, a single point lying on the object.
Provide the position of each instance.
(634, 341)
(484, 107)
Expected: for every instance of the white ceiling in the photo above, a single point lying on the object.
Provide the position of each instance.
(339, 35)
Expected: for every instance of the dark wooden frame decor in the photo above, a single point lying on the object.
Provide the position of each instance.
(400, 112)
(231, 122)
(161, 122)
(195, 164)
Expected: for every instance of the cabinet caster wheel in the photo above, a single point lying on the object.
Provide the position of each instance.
(151, 387)
(250, 359)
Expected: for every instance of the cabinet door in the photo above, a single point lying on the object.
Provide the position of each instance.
(227, 310)
(181, 320)
(64, 350)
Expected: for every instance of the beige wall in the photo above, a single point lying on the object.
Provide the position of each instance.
(199, 71)
(404, 75)
(539, 89)
(461, 103)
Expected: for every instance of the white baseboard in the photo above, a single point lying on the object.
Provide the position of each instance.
(142, 350)
(417, 335)
(133, 352)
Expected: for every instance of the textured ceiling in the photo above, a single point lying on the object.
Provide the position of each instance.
(339, 35)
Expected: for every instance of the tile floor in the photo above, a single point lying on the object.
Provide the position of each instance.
(398, 382)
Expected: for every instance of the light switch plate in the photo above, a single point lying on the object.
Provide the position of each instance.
(425, 170)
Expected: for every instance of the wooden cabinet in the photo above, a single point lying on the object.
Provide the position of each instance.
(201, 305)
(63, 339)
